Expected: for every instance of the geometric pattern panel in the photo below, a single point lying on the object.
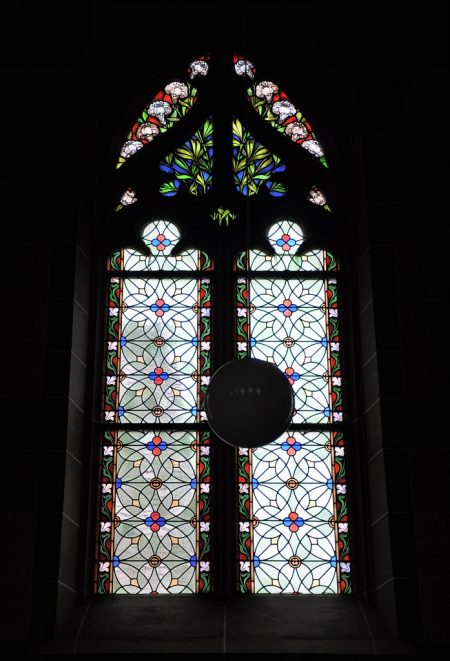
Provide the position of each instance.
(294, 324)
(154, 484)
(158, 350)
(154, 512)
(293, 529)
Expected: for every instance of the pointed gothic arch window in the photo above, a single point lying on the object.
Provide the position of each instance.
(221, 242)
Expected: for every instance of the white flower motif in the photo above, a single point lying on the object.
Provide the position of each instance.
(337, 416)
(203, 415)
(339, 451)
(336, 380)
(109, 416)
(160, 109)
(106, 488)
(343, 527)
(266, 90)
(204, 449)
(284, 109)
(205, 346)
(204, 566)
(244, 526)
(113, 312)
(334, 346)
(242, 346)
(112, 346)
(317, 197)
(243, 451)
(313, 147)
(244, 68)
(130, 147)
(103, 567)
(297, 131)
(110, 380)
(241, 312)
(108, 450)
(332, 281)
(333, 312)
(241, 280)
(176, 90)
(147, 131)
(129, 197)
(204, 487)
(204, 526)
(243, 488)
(205, 312)
(205, 380)
(245, 566)
(345, 566)
(198, 68)
(341, 488)
(105, 526)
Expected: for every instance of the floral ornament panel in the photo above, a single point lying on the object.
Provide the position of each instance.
(244, 67)
(128, 197)
(157, 351)
(153, 527)
(317, 197)
(294, 324)
(254, 165)
(276, 107)
(285, 237)
(293, 522)
(191, 164)
(163, 111)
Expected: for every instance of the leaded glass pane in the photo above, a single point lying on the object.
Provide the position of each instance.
(154, 512)
(293, 529)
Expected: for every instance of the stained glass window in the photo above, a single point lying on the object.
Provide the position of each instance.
(293, 527)
(283, 304)
(154, 511)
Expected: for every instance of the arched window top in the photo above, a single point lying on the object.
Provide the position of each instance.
(286, 238)
(160, 237)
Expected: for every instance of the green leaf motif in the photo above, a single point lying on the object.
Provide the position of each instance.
(191, 164)
(223, 215)
(254, 164)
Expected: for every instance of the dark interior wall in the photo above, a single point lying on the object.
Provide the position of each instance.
(378, 90)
